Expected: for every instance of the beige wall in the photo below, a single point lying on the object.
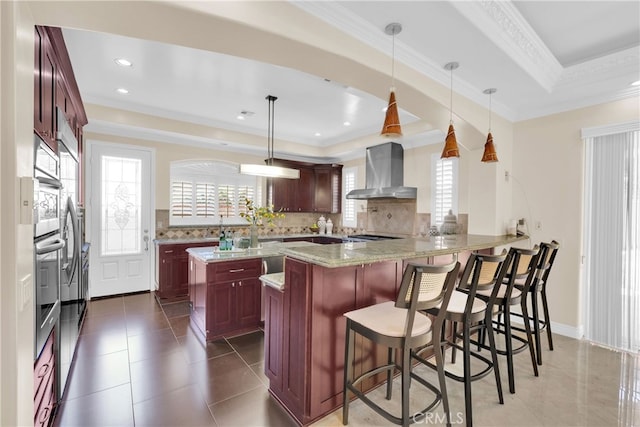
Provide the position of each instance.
(547, 184)
(166, 153)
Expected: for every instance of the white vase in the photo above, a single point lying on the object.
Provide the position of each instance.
(253, 236)
(322, 225)
(329, 226)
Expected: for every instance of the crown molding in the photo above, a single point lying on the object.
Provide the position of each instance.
(503, 24)
(618, 64)
(338, 16)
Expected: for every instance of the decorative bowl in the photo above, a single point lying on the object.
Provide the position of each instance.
(314, 229)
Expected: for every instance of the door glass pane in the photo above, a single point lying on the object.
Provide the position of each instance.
(121, 203)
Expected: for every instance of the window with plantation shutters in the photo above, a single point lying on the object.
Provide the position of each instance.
(205, 200)
(181, 198)
(349, 217)
(444, 188)
(204, 191)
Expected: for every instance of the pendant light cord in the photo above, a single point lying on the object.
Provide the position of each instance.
(270, 127)
(393, 61)
(490, 93)
(451, 98)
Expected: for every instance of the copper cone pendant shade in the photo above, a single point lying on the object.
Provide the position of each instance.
(450, 144)
(490, 154)
(391, 127)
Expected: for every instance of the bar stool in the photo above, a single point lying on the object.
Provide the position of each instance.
(480, 272)
(522, 267)
(402, 325)
(538, 287)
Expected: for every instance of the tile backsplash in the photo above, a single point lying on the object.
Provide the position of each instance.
(394, 217)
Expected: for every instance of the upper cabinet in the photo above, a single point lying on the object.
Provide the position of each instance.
(55, 86)
(44, 121)
(318, 189)
(55, 89)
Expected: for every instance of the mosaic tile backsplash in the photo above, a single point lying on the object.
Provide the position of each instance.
(394, 217)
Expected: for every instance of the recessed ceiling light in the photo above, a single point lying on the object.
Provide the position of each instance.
(123, 62)
(317, 134)
(636, 83)
(244, 114)
(347, 123)
(122, 90)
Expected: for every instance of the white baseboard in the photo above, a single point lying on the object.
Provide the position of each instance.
(557, 328)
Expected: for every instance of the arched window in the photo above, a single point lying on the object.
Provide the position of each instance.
(203, 191)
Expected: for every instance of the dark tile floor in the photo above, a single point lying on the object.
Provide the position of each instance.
(138, 363)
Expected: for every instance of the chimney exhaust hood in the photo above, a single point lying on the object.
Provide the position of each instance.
(384, 174)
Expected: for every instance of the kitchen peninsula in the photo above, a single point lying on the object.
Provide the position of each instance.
(304, 324)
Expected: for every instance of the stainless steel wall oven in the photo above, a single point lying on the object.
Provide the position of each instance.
(47, 242)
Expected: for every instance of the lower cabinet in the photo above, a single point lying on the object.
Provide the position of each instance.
(273, 328)
(172, 268)
(225, 296)
(44, 388)
(305, 330)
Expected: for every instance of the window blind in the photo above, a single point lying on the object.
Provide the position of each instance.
(349, 217)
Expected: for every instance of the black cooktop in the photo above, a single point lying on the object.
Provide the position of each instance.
(371, 237)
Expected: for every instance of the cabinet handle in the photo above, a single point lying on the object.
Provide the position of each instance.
(44, 415)
(168, 252)
(236, 270)
(43, 370)
(240, 284)
(233, 284)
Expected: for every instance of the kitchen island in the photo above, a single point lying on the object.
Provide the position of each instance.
(304, 323)
(224, 287)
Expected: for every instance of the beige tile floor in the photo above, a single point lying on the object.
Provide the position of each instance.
(138, 364)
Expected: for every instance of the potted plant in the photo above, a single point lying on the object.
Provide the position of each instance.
(258, 215)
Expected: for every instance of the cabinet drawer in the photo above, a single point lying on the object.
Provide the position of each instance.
(45, 409)
(234, 270)
(44, 366)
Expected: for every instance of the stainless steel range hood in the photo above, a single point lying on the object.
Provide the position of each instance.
(384, 174)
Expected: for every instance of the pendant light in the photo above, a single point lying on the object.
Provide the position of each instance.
(490, 154)
(391, 127)
(269, 170)
(450, 143)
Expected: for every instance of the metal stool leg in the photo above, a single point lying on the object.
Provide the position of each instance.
(547, 322)
(348, 372)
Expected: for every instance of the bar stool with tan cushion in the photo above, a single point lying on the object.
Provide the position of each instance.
(481, 272)
(402, 325)
(537, 290)
(522, 268)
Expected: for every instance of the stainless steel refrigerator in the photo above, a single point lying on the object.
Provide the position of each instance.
(72, 292)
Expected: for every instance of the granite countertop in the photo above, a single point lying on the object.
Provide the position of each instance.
(348, 254)
(267, 249)
(274, 280)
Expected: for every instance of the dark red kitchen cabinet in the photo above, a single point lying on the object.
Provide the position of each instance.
(44, 384)
(319, 188)
(225, 296)
(273, 330)
(248, 294)
(172, 269)
(44, 89)
(220, 307)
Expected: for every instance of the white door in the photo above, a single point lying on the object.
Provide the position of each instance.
(119, 205)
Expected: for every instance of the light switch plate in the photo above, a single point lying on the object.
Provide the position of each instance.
(26, 200)
(25, 291)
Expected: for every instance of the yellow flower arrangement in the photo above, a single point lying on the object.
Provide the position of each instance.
(258, 215)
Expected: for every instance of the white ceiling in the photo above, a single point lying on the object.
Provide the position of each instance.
(542, 56)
